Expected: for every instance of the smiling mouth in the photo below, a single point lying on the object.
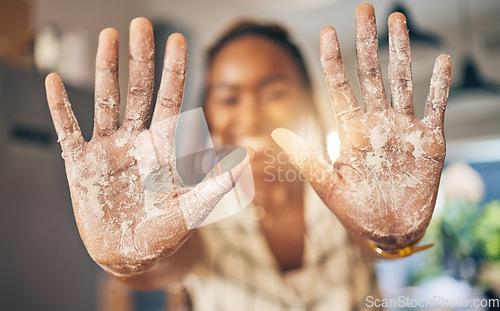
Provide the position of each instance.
(257, 143)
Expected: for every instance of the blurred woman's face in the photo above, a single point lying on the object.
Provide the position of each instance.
(254, 87)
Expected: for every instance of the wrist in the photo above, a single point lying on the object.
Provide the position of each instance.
(393, 252)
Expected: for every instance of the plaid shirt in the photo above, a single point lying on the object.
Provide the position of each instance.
(239, 271)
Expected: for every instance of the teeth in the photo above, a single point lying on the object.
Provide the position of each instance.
(257, 143)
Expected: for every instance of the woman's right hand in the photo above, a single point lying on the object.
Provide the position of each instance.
(126, 226)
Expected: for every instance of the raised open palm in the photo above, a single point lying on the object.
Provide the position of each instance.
(384, 183)
(126, 226)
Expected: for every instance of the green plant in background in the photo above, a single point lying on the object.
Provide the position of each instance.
(486, 231)
(457, 222)
(466, 237)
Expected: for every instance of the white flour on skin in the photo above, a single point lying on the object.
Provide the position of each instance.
(381, 191)
(335, 75)
(127, 244)
(106, 118)
(96, 186)
(368, 66)
(121, 140)
(195, 207)
(92, 202)
(126, 227)
(110, 201)
(400, 74)
(438, 94)
(69, 138)
(418, 143)
(400, 179)
(155, 203)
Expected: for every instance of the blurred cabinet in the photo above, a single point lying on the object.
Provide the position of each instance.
(43, 263)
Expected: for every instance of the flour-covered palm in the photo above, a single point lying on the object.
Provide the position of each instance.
(128, 200)
(384, 183)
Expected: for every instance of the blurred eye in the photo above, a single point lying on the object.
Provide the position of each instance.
(275, 91)
(224, 97)
(229, 100)
(273, 95)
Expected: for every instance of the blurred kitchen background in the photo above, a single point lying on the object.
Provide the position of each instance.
(43, 264)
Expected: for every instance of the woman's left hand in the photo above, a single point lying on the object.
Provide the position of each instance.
(384, 183)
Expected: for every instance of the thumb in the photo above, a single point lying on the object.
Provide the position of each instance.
(198, 203)
(310, 163)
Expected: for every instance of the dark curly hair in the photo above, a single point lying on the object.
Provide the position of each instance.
(273, 32)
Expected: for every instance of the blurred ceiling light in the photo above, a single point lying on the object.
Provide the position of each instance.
(47, 48)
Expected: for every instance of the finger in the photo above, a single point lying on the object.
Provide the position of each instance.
(170, 93)
(340, 91)
(367, 59)
(171, 89)
(197, 204)
(141, 74)
(400, 79)
(107, 93)
(438, 92)
(310, 163)
(65, 123)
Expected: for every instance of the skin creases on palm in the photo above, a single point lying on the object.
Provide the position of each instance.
(115, 214)
(388, 173)
(384, 183)
(130, 205)
(383, 186)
